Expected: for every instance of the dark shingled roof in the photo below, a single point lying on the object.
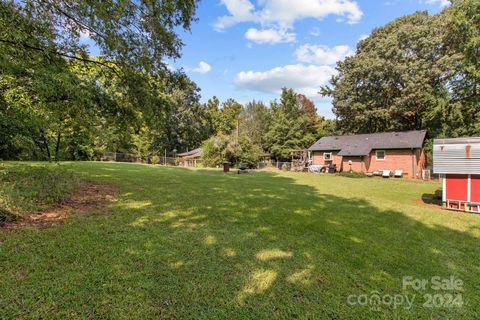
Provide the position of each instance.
(362, 144)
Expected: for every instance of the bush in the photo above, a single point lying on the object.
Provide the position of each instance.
(155, 160)
(225, 148)
(25, 189)
(352, 174)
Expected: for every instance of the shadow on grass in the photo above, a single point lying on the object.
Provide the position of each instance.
(190, 244)
(260, 245)
(433, 198)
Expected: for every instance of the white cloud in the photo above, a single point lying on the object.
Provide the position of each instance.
(318, 54)
(270, 36)
(304, 79)
(240, 11)
(441, 3)
(283, 14)
(203, 67)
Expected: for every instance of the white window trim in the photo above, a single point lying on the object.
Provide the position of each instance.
(331, 156)
(384, 155)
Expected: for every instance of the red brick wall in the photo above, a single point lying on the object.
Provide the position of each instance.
(357, 164)
(398, 160)
(394, 160)
(318, 159)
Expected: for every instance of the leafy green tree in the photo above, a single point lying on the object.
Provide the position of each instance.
(59, 103)
(393, 80)
(461, 24)
(255, 120)
(184, 126)
(136, 35)
(417, 72)
(213, 116)
(232, 149)
(228, 116)
(219, 149)
(292, 127)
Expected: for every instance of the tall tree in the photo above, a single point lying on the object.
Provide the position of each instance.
(393, 79)
(59, 103)
(291, 126)
(228, 116)
(135, 35)
(461, 23)
(417, 72)
(255, 121)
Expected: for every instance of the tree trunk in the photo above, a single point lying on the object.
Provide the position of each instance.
(57, 145)
(45, 143)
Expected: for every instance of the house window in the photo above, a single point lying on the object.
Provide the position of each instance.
(380, 154)
(327, 156)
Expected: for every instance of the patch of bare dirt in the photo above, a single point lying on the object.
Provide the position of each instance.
(90, 197)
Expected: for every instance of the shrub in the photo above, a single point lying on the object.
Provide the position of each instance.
(228, 148)
(352, 174)
(155, 160)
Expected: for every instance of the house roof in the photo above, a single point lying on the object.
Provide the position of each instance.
(195, 153)
(362, 144)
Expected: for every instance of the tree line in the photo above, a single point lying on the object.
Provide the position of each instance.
(244, 134)
(57, 102)
(419, 71)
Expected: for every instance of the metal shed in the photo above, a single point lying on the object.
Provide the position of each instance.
(458, 160)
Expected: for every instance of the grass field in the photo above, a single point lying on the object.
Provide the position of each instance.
(199, 244)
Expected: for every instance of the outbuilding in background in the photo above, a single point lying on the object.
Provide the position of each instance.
(458, 161)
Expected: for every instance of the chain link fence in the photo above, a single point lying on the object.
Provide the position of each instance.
(297, 166)
(286, 166)
(125, 157)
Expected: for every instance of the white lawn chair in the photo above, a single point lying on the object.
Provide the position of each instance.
(398, 173)
(386, 174)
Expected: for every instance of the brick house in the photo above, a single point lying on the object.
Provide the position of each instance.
(373, 152)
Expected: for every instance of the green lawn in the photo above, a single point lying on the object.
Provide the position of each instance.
(200, 244)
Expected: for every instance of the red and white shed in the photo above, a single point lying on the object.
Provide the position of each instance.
(458, 161)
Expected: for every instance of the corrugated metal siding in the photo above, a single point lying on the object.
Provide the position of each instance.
(460, 158)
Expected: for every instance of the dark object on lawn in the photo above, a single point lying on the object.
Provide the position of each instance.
(329, 169)
(242, 168)
(433, 198)
(226, 167)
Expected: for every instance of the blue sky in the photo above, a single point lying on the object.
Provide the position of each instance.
(250, 49)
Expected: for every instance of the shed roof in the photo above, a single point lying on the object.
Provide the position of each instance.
(456, 156)
(362, 144)
(195, 153)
